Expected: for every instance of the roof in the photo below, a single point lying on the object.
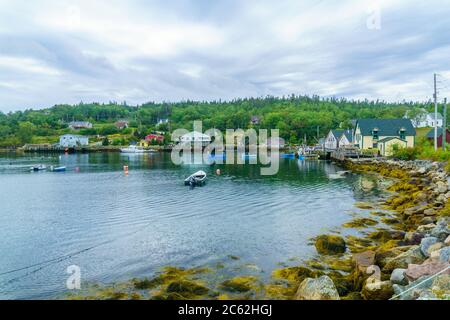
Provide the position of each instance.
(439, 116)
(430, 134)
(386, 127)
(73, 135)
(79, 122)
(195, 134)
(348, 134)
(391, 138)
(153, 136)
(337, 133)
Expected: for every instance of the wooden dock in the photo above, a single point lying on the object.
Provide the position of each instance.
(343, 154)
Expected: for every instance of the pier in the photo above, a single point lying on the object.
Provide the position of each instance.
(343, 154)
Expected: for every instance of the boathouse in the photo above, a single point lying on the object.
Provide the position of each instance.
(72, 140)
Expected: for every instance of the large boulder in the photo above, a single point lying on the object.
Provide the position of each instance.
(435, 247)
(330, 244)
(441, 255)
(426, 243)
(317, 289)
(413, 238)
(398, 277)
(441, 231)
(415, 271)
(441, 187)
(378, 290)
(412, 256)
(447, 241)
(382, 255)
(361, 262)
(426, 228)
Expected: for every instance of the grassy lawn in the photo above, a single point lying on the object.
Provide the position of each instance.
(422, 132)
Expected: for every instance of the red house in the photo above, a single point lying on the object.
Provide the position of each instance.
(155, 137)
(430, 136)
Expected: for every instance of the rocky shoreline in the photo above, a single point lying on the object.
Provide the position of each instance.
(410, 259)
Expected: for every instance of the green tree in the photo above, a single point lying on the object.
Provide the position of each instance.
(25, 132)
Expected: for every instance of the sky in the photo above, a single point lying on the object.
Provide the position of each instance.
(54, 52)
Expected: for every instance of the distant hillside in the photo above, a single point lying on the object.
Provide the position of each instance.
(295, 116)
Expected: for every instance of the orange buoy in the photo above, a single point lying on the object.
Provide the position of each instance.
(125, 169)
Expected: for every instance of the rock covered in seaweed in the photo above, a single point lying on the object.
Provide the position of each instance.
(330, 244)
(317, 289)
(377, 290)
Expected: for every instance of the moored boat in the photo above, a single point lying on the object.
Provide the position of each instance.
(58, 169)
(39, 167)
(196, 179)
(133, 149)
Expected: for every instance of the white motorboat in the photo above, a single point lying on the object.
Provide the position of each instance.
(133, 149)
(39, 167)
(196, 179)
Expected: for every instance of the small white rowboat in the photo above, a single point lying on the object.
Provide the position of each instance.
(197, 179)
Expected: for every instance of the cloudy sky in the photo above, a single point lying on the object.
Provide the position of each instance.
(136, 51)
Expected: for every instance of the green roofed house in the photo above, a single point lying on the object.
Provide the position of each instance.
(384, 134)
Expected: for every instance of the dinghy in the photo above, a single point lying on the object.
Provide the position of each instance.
(39, 167)
(197, 179)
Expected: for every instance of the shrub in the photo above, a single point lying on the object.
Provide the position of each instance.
(406, 153)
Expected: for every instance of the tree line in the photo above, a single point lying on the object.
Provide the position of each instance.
(295, 116)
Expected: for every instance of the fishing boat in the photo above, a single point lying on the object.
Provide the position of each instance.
(133, 149)
(38, 167)
(58, 169)
(219, 156)
(288, 155)
(196, 179)
(249, 156)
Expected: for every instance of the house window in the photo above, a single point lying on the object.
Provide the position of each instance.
(375, 134)
(402, 134)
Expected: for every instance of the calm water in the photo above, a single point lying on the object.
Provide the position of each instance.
(116, 227)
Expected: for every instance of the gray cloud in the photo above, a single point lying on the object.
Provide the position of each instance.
(65, 52)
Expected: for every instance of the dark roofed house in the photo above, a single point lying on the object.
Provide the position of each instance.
(346, 138)
(369, 133)
(430, 136)
(332, 139)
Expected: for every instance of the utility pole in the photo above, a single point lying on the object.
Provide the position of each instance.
(435, 113)
(444, 127)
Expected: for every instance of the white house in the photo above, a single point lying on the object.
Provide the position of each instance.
(425, 119)
(72, 140)
(195, 136)
(346, 139)
(163, 121)
(332, 139)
